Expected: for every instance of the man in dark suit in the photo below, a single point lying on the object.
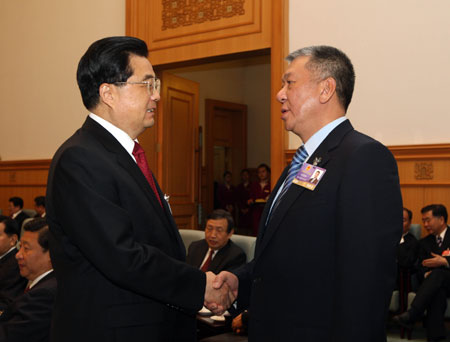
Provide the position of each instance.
(28, 317)
(118, 257)
(407, 249)
(39, 206)
(15, 210)
(434, 261)
(11, 282)
(216, 252)
(325, 259)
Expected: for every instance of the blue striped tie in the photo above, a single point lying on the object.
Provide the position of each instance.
(297, 162)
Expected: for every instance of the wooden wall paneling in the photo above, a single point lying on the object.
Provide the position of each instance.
(24, 178)
(176, 31)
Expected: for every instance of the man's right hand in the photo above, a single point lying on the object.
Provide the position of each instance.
(218, 298)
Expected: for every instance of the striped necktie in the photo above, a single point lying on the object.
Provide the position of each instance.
(297, 162)
(439, 240)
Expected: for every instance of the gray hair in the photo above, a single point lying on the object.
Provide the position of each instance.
(327, 61)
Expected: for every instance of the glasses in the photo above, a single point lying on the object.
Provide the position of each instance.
(153, 85)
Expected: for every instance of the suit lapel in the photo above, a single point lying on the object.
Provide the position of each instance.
(128, 164)
(322, 153)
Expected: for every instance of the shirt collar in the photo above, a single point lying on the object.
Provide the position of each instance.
(121, 136)
(16, 213)
(442, 235)
(2, 256)
(313, 143)
(36, 280)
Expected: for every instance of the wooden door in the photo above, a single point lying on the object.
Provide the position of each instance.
(225, 144)
(178, 140)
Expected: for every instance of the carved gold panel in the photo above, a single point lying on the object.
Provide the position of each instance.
(180, 30)
(174, 21)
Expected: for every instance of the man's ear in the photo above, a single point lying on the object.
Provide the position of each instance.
(14, 239)
(327, 89)
(106, 93)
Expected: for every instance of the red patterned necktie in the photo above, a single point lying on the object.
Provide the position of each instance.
(205, 266)
(139, 154)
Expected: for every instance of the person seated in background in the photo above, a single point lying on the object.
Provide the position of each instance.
(407, 249)
(242, 197)
(216, 252)
(434, 261)
(39, 206)
(28, 317)
(259, 194)
(15, 207)
(406, 260)
(226, 193)
(12, 283)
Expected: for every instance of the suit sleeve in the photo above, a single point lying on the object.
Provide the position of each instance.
(368, 229)
(29, 318)
(88, 203)
(237, 259)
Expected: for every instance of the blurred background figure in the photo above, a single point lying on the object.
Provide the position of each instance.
(11, 282)
(259, 193)
(242, 197)
(39, 206)
(15, 207)
(226, 194)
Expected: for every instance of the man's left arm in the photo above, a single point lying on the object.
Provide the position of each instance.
(30, 317)
(368, 229)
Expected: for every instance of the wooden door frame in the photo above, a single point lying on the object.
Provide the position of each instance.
(209, 143)
(279, 48)
(278, 51)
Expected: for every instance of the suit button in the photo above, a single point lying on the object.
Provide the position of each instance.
(257, 280)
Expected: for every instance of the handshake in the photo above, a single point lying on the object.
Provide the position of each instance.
(221, 291)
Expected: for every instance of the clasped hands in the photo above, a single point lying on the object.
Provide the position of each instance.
(221, 291)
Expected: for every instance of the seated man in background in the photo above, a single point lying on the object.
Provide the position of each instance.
(15, 207)
(28, 317)
(216, 252)
(434, 260)
(11, 283)
(39, 206)
(407, 249)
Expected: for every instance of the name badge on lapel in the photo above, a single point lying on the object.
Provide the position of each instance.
(446, 253)
(309, 176)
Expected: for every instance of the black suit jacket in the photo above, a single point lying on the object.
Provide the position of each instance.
(28, 317)
(407, 252)
(325, 265)
(11, 282)
(428, 245)
(227, 258)
(20, 218)
(118, 256)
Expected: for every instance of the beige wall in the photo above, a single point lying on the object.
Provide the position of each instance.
(242, 81)
(401, 54)
(41, 43)
(400, 49)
